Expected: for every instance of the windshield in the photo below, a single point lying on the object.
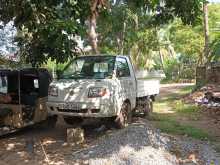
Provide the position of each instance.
(90, 67)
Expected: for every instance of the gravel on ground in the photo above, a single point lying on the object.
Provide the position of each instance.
(140, 143)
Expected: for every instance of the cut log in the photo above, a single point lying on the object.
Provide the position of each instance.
(75, 136)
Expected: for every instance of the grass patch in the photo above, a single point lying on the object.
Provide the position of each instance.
(171, 115)
(170, 98)
(169, 125)
(160, 107)
(181, 107)
(187, 90)
(174, 127)
(192, 112)
(157, 117)
(177, 95)
(176, 106)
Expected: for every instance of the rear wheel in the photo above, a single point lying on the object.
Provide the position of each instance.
(124, 117)
(148, 107)
(72, 120)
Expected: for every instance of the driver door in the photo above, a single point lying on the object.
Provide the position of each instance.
(126, 82)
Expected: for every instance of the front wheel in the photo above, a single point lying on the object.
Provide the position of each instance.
(124, 117)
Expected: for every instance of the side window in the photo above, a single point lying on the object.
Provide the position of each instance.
(122, 68)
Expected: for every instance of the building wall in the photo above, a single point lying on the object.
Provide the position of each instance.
(209, 75)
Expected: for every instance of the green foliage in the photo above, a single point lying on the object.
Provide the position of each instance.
(164, 11)
(188, 41)
(131, 27)
(186, 109)
(46, 29)
(171, 68)
(175, 69)
(188, 10)
(215, 50)
(180, 50)
(52, 66)
(214, 19)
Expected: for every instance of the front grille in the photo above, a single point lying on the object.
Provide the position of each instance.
(80, 111)
(73, 111)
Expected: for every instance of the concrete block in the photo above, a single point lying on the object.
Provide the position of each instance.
(75, 136)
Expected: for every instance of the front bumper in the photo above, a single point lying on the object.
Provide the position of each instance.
(82, 110)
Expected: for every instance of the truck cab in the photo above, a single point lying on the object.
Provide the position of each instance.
(98, 86)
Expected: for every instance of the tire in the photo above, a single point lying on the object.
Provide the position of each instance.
(72, 120)
(151, 106)
(125, 116)
(148, 107)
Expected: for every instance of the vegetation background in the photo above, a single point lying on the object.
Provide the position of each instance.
(158, 35)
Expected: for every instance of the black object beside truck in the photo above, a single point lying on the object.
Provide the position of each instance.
(23, 96)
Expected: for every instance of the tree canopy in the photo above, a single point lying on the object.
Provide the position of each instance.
(45, 29)
(48, 28)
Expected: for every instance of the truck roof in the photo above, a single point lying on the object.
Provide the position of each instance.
(100, 55)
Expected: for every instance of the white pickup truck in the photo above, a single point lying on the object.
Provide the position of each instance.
(101, 87)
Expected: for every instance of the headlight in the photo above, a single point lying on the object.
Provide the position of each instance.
(53, 91)
(97, 92)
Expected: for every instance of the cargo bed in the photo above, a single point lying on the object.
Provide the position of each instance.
(148, 87)
(148, 83)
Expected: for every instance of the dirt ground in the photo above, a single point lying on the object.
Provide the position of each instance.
(40, 145)
(206, 122)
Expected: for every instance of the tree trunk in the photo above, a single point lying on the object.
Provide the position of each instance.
(161, 58)
(123, 38)
(206, 32)
(92, 26)
(93, 34)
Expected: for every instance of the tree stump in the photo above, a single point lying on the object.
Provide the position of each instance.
(75, 136)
